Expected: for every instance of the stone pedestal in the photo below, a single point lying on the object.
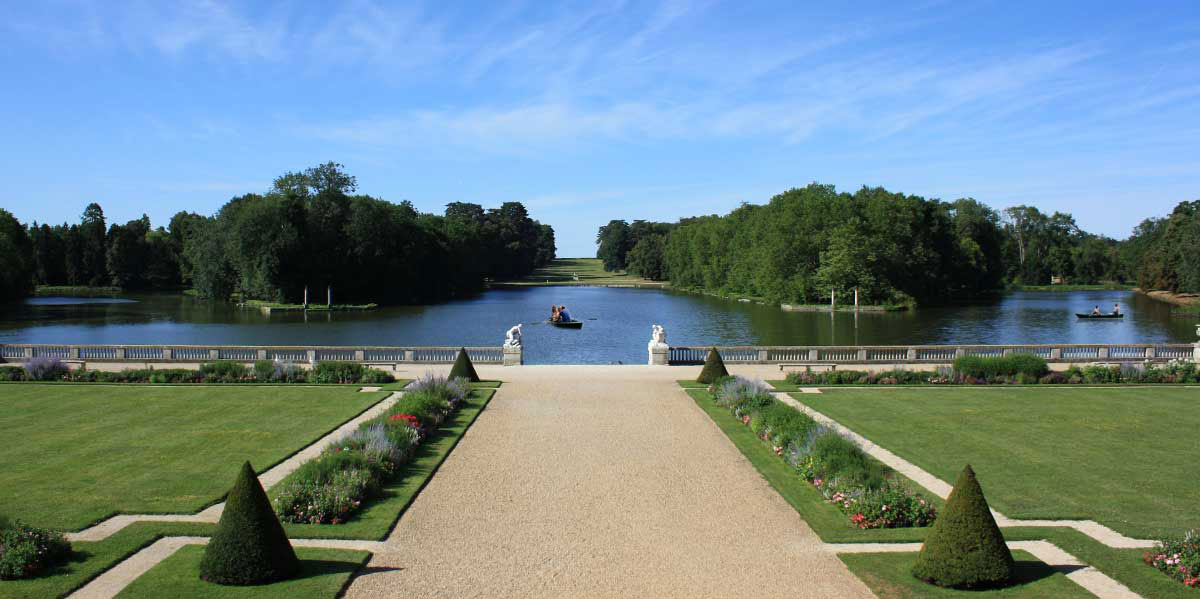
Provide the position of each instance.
(659, 354)
(513, 356)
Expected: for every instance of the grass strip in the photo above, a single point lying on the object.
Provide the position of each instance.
(889, 575)
(324, 574)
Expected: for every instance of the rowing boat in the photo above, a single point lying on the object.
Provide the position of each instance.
(1099, 315)
(570, 324)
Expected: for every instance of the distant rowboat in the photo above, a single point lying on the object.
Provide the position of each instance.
(1099, 315)
(570, 324)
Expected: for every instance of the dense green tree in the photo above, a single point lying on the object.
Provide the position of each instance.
(249, 545)
(647, 259)
(16, 258)
(965, 548)
(613, 244)
(94, 246)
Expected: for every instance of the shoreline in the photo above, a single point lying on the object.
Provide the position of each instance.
(1186, 300)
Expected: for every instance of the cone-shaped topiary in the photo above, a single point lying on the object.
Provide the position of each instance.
(249, 545)
(463, 367)
(714, 368)
(965, 548)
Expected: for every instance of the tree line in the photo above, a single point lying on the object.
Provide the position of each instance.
(896, 249)
(309, 230)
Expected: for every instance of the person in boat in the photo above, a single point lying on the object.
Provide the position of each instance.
(563, 315)
(1116, 309)
(554, 314)
(1096, 311)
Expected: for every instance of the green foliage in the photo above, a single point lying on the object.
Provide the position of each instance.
(463, 368)
(336, 372)
(26, 551)
(714, 367)
(965, 548)
(1162, 251)
(990, 367)
(249, 545)
(16, 259)
(225, 371)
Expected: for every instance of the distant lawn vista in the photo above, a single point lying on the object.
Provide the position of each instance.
(87, 451)
(1123, 457)
(590, 271)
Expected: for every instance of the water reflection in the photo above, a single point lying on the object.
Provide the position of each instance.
(617, 323)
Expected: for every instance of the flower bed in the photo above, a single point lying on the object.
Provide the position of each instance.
(26, 551)
(846, 476)
(972, 370)
(1178, 558)
(331, 487)
(224, 371)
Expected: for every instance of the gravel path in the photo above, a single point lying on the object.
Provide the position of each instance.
(613, 486)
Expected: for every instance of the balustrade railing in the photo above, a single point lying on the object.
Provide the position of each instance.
(208, 353)
(932, 354)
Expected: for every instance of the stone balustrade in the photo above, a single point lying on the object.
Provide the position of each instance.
(508, 355)
(925, 354)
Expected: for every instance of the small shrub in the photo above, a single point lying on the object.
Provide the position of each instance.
(891, 506)
(44, 368)
(993, 368)
(1053, 378)
(12, 373)
(336, 372)
(714, 368)
(249, 545)
(224, 371)
(374, 376)
(264, 371)
(286, 371)
(1178, 558)
(27, 551)
(463, 368)
(965, 548)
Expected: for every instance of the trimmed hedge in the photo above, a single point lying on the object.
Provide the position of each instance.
(714, 368)
(463, 368)
(249, 545)
(965, 548)
(992, 367)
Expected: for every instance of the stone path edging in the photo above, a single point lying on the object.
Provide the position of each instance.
(110, 583)
(268, 479)
(1091, 579)
(942, 489)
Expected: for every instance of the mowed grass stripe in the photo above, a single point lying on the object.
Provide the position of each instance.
(81, 453)
(1120, 456)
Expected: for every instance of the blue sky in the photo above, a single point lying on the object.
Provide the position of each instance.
(596, 110)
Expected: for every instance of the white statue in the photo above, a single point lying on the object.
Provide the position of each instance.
(512, 338)
(658, 336)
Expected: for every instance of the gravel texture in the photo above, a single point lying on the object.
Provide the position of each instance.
(612, 484)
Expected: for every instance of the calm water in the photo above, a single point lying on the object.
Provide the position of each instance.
(617, 323)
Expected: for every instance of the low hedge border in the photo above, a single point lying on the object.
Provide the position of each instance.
(218, 372)
(1016, 369)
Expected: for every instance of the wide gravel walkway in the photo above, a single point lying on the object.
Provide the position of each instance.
(617, 486)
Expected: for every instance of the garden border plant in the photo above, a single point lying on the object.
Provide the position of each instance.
(261, 372)
(856, 483)
(329, 488)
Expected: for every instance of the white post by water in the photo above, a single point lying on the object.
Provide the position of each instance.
(856, 299)
(306, 297)
(329, 297)
(831, 300)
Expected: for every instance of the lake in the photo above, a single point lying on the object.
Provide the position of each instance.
(616, 323)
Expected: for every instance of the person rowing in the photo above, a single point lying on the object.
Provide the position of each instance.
(563, 315)
(1096, 311)
(1116, 309)
(554, 314)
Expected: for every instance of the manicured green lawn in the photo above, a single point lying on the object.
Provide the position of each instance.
(591, 271)
(889, 575)
(325, 572)
(76, 454)
(1125, 457)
